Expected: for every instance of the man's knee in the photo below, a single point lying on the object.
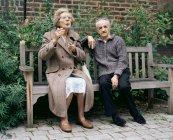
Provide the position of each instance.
(125, 87)
(102, 82)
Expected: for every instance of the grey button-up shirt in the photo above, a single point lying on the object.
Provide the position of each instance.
(111, 56)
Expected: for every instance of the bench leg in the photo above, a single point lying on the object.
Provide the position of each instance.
(150, 98)
(29, 87)
(170, 99)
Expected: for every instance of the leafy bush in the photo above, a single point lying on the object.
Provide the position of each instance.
(146, 27)
(12, 100)
(12, 96)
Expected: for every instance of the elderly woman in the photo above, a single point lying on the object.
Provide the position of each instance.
(60, 49)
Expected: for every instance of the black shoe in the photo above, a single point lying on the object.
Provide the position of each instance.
(140, 119)
(118, 120)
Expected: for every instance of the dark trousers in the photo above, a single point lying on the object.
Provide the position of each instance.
(124, 88)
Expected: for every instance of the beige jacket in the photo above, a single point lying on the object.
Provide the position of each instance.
(60, 65)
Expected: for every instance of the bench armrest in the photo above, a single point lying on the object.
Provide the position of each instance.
(26, 68)
(162, 65)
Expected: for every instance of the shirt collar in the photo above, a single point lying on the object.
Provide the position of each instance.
(110, 38)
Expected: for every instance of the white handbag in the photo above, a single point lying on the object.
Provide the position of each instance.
(86, 71)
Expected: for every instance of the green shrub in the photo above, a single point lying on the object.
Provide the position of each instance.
(12, 100)
(12, 96)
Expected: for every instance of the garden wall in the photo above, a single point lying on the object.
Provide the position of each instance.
(117, 8)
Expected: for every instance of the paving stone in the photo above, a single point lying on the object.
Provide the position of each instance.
(10, 136)
(163, 135)
(44, 127)
(21, 138)
(39, 133)
(56, 127)
(117, 135)
(99, 137)
(106, 126)
(78, 138)
(133, 138)
(129, 134)
(92, 133)
(77, 129)
(148, 137)
(54, 131)
(55, 136)
(19, 129)
(79, 134)
(31, 129)
(39, 138)
(24, 134)
(67, 135)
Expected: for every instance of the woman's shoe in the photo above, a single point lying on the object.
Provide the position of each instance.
(65, 126)
(85, 123)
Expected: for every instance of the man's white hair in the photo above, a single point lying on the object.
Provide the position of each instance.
(103, 18)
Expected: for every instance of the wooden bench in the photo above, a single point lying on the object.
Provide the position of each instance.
(140, 62)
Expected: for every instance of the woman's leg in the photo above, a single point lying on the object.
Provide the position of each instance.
(68, 102)
(64, 124)
(80, 102)
(82, 121)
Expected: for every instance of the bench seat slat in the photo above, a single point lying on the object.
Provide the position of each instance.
(40, 89)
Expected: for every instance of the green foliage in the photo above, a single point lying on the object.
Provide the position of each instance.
(11, 105)
(12, 97)
(146, 27)
(32, 31)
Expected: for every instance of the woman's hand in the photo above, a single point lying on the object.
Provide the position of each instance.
(91, 42)
(58, 33)
(71, 47)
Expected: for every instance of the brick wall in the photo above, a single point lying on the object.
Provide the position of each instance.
(117, 8)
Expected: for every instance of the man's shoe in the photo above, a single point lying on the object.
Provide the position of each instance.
(140, 119)
(85, 123)
(118, 120)
(65, 126)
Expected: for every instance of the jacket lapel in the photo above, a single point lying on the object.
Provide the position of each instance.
(70, 38)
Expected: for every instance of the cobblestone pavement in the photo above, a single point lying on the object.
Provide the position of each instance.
(159, 127)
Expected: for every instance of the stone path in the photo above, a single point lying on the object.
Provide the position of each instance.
(159, 127)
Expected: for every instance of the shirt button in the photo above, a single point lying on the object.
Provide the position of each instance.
(62, 56)
(63, 68)
(59, 74)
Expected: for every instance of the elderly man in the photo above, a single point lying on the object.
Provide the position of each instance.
(110, 54)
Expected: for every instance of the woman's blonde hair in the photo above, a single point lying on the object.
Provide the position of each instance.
(58, 13)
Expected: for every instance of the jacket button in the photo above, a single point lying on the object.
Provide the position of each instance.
(62, 56)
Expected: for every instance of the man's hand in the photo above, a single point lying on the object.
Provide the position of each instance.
(58, 33)
(114, 81)
(91, 42)
(71, 47)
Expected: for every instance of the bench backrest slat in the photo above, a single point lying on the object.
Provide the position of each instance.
(137, 64)
(31, 59)
(130, 63)
(143, 66)
(40, 70)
